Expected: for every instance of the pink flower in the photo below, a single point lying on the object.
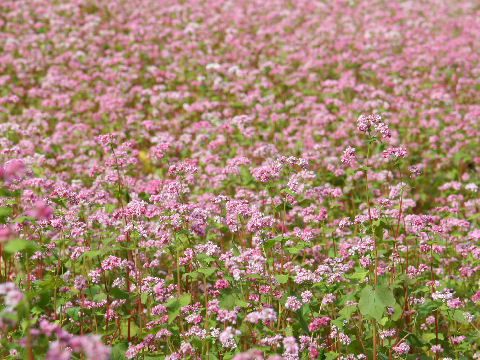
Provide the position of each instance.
(221, 284)
(348, 156)
(401, 349)
(292, 303)
(395, 153)
(41, 210)
(436, 348)
(318, 323)
(111, 263)
(13, 170)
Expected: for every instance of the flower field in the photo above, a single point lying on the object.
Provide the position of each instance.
(239, 179)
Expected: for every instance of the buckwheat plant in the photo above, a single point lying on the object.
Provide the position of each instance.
(242, 179)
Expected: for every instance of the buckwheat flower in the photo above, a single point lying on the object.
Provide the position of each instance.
(274, 357)
(5, 233)
(250, 355)
(364, 262)
(227, 337)
(133, 350)
(57, 351)
(91, 346)
(110, 315)
(272, 341)
(173, 356)
(383, 129)
(318, 323)
(401, 349)
(344, 339)
(197, 331)
(328, 299)
(164, 334)
(106, 140)
(457, 339)
(186, 349)
(158, 151)
(13, 298)
(436, 348)
(194, 318)
(230, 316)
(471, 187)
(292, 303)
(266, 315)
(363, 124)
(469, 317)
(348, 157)
(221, 284)
(214, 332)
(111, 263)
(454, 303)
(79, 283)
(290, 348)
(307, 296)
(395, 153)
(344, 223)
(13, 170)
(366, 122)
(387, 333)
(94, 275)
(414, 171)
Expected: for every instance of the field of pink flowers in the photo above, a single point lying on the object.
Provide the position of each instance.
(239, 179)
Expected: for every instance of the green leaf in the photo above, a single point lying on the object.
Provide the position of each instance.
(347, 311)
(5, 212)
(60, 201)
(460, 317)
(327, 230)
(118, 351)
(385, 295)
(193, 275)
(284, 206)
(16, 245)
(373, 302)
(185, 300)
(430, 336)
(109, 208)
(7, 193)
(91, 253)
(207, 272)
(287, 191)
(282, 279)
(118, 294)
(227, 300)
(73, 313)
(331, 355)
(133, 328)
(22, 219)
(241, 303)
(204, 259)
(293, 250)
(397, 312)
(360, 275)
(301, 319)
(268, 244)
(289, 331)
(173, 310)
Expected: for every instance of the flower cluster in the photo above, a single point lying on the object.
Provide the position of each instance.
(239, 179)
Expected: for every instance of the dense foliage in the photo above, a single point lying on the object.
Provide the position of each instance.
(246, 179)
